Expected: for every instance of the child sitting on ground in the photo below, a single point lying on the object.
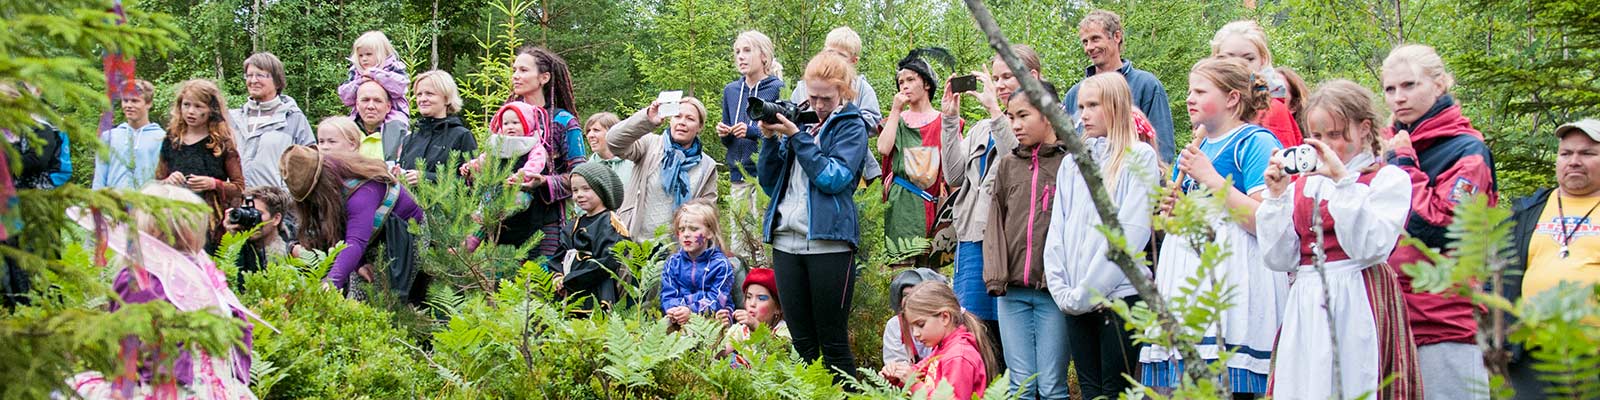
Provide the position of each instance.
(897, 343)
(961, 350)
(698, 278)
(761, 309)
(372, 57)
(585, 266)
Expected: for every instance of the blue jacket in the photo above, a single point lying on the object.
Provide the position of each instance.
(704, 283)
(735, 97)
(1149, 96)
(833, 164)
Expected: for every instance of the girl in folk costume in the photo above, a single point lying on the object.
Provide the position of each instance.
(1363, 205)
(174, 268)
(1229, 156)
(910, 142)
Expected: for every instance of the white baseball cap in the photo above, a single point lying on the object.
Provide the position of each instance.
(1589, 126)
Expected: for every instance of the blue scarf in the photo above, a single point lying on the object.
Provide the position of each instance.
(675, 168)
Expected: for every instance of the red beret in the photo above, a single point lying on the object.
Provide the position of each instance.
(763, 277)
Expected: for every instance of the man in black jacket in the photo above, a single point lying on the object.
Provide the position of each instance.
(1553, 236)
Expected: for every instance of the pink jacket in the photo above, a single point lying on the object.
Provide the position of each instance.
(955, 361)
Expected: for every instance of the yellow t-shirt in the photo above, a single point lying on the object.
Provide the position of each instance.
(1546, 267)
(372, 146)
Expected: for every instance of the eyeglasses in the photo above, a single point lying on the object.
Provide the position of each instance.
(257, 75)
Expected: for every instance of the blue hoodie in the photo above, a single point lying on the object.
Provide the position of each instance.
(703, 283)
(735, 97)
(833, 162)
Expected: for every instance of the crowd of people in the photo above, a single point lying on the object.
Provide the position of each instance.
(1322, 181)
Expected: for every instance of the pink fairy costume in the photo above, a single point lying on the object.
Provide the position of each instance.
(157, 272)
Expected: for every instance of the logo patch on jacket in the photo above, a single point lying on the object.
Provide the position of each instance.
(1462, 190)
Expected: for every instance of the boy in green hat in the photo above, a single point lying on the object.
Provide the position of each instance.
(584, 264)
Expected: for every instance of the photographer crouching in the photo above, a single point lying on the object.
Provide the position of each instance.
(263, 206)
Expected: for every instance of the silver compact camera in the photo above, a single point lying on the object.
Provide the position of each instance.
(1300, 159)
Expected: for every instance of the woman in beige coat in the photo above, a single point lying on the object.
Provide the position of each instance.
(670, 168)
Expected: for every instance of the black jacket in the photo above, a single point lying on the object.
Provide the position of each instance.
(1525, 214)
(431, 142)
(594, 268)
(39, 158)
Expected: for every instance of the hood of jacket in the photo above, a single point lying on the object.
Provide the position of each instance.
(1442, 121)
(909, 278)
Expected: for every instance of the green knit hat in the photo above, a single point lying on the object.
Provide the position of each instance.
(605, 183)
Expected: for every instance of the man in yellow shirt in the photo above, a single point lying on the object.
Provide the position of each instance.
(1556, 236)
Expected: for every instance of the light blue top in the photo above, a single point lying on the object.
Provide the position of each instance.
(131, 159)
(1241, 154)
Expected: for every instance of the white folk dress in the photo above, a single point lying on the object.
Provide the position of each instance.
(1362, 217)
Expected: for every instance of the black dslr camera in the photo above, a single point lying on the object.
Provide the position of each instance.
(246, 216)
(768, 111)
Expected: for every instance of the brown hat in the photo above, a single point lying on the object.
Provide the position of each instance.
(301, 167)
(1589, 126)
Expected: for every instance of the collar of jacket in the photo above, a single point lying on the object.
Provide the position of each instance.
(1045, 150)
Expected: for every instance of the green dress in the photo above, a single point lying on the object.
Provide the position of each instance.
(909, 215)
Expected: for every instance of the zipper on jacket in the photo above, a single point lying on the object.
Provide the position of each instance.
(1033, 192)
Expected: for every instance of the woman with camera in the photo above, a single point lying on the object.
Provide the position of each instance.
(966, 163)
(670, 168)
(1362, 205)
(343, 196)
(811, 172)
(910, 142)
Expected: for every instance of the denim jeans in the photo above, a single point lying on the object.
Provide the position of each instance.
(968, 281)
(1033, 331)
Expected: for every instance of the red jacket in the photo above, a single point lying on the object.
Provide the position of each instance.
(1280, 121)
(1448, 163)
(955, 361)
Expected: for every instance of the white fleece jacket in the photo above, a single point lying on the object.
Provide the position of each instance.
(1076, 267)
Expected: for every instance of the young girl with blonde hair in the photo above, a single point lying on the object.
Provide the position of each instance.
(698, 278)
(1076, 265)
(1228, 156)
(1363, 204)
(961, 348)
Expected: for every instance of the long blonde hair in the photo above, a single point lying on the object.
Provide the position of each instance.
(1117, 101)
(372, 40)
(930, 298)
(765, 50)
(185, 232)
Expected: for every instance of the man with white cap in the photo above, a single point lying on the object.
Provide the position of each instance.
(1555, 236)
